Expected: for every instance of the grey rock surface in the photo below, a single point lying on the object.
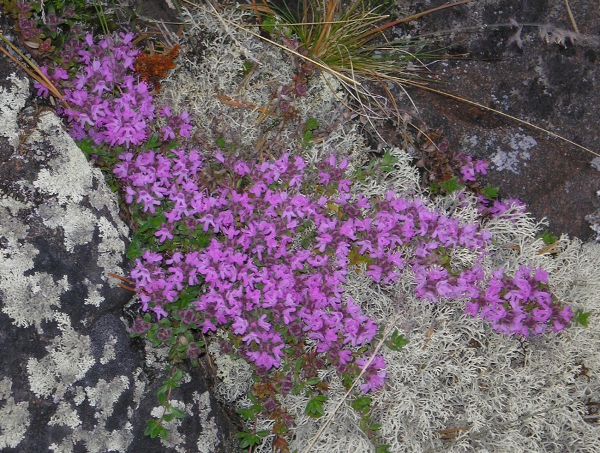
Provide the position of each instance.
(71, 379)
(550, 81)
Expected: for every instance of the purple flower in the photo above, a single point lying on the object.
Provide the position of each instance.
(42, 90)
(481, 166)
(164, 334)
(140, 327)
(193, 351)
(163, 234)
(240, 326)
(168, 133)
(374, 375)
(375, 272)
(188, 316)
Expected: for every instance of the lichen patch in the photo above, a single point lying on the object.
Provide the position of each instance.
(28, 300)
(94, 297)
(68, 360)
(108, 353)
(208, 440)
(69, 177)
(65, 415)
(11, 103)
(14, 417)
(105, 394)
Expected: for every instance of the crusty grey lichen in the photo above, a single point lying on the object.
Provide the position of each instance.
(69, 358)
(27, 299)
(30, 300)
(208, 439)
(11, 103)
(105, 394)
(14, 417)
(65, 415)
(108, 353)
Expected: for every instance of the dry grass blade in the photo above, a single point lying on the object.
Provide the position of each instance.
(571, 17)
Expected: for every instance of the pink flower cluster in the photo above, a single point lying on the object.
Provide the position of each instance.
(520, 305)
(470, 168)
(108, 103)
(279, 255)
(257, 279)
(459, 161)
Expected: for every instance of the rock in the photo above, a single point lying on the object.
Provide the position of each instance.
(553, 85)
(71, 378)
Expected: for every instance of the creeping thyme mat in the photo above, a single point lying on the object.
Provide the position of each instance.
(345, 307)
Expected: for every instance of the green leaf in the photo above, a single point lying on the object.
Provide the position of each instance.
(581, 318)
(153, 142)
(154, 431)
(150, 425)
(347, 380)
(361, 403)
(245, 443)
(268, 24)
(135, 249)
(163, 389)
(450, 185)
(178, 376)
(87, 145)
(298, 366)
(165, 322)
(248, 439)
(178, 412)
(162, 398)
(382, 449)
(221, 143)
(168, 417)
(163, 433)
(548, 237)
(396, 341)
(314, 407)
(248, 65)
(311, 124)
(247, 414)
(313, 381)
(388, 161)
(201, 238)
(155, 341)
(490, 192)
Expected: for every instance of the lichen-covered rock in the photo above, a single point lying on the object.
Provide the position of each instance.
(71, 379)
